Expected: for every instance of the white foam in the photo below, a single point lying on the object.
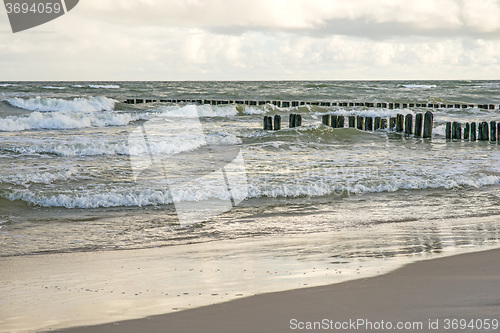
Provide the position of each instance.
(81, 148)
(5, 85)
(120, 198)
(384, 113)
(111, 147)
(104, 86)
(52, 87)
(321, 187)
(199, 111)
(38, 177)
(207, 190)
(252, 110)
(65, 120)
(418, 86)
(87, 104)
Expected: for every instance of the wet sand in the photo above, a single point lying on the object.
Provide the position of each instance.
(464, 286)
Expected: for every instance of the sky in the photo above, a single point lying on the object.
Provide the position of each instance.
(166, 40)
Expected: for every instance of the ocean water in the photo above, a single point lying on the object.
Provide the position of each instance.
(71, 180)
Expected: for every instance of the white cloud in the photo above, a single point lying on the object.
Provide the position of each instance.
(261, 39)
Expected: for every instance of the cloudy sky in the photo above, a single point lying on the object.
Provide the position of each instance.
(259, 40)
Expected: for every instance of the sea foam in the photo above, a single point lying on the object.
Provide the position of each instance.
(104, 86)
(65, 120)
(418, 86)
(87, 104)
(55, 88)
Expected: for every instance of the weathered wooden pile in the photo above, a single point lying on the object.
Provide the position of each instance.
(400, 123)
(473, 131)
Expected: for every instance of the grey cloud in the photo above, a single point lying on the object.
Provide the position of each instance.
(362, 28)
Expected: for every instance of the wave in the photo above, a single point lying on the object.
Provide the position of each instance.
(328, 186)
(198, 111)
(80, 113)
(104, 86)
(79, 104)
(384, 113)
(252, 110)
(115, 198)
(418, 86)
(202, 192)
(55, 88)
(65, 120)
(38, 177)
(85, 148)
(5, 85)
(316, 85)
(126, 147)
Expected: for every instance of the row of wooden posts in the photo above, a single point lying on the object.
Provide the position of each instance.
(400, 123)
(287, 104)
(270, 123)
(454, 131)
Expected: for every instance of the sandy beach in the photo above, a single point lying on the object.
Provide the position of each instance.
(425, 296)
(63, 290)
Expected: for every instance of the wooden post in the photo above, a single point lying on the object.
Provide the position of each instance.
(483, 128)
(376, 123)
(409, 124)
(399, 123)
(392, 123)
(268, 123)
(454, 130)
(334, 121)
(291, 121)
(340, 122)
(277, 122)
(419, 118)
(326, 119)
(473, 136)
(383, 123)
(359, 120)
(368, 124)
(428, 122)
(448, 131)
(486, 132)
(498, 132)
(493, 131)
(459, 131)
(352, 121)
(298, 120)
(467, 131)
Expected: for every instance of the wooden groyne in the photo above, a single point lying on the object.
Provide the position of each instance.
(287, 104)
(400, 123)
(485, 131)
(421, 127)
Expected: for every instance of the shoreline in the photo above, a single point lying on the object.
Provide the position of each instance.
(92, 288)
(429, 292)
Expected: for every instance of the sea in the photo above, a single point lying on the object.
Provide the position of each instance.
(79, 168)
